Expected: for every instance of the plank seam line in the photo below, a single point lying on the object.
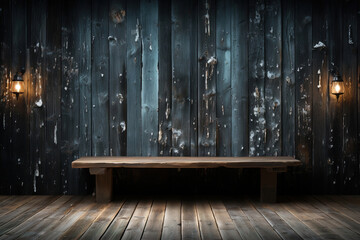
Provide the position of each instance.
(147, 218)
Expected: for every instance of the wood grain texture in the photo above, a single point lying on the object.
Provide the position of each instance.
(189, 221)
(320, 97)
(138, 220)
(334, 128)
(206, 79)
(223, 220)
(207, 224)
(350, 161)
(194, 80)
(288, 78)
(133, 78)
(52, 102)
(100, 79)
(172, 220)
(18, 164)
(140, 217)
(165, 76)
(273, 32)
(117, 77)
(85, 129)
(181, 45)
(239, 79)
(133, 66)
(121, 220)
(257, 122)
(185, 162)
(5, 96)
(149, 19)
(303, 82)
(223, 81)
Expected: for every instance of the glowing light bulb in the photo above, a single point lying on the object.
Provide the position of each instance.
(337, 88)
(17, 87)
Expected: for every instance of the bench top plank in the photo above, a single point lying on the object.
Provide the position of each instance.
(185, 162)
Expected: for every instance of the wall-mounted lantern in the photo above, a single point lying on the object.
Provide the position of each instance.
(337, 85)
(18, 85)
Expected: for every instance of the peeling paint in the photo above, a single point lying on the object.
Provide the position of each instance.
(207, 19)
(351, 42)
(55, 134)
(123, 126)
(39, 103)
(319, 45)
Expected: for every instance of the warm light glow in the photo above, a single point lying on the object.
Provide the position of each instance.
(17, 87)
(337, 88)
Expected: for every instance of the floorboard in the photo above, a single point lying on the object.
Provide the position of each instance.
(173, 217)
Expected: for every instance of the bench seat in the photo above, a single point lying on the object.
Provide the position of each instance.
(102, 168)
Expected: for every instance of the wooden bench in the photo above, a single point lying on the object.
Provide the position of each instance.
(102, 168)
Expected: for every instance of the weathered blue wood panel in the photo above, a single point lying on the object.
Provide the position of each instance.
(150, 76)
(239, 78)
(206, 79)
(165, 83)
(133, 64)
(180, 44)
(223, 78)
(288, 78)
(100, 78)
(257, 122)
(273, 67)
(117, 74)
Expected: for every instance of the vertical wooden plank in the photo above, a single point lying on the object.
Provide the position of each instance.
(150, 76)
(206, 79)
(189, 221)
(320, 95)
(100, 79)
(273, 62)
(172, 220)
(117, 75)
(37, 118)
(257, 120)
(207, 224)
(180, 45)
(165, 82)
(288, 78)
(223, 79)
(69, 94)
(239, 78)
(73, 180)
(5, 95)
(358, 97)
(350, 161)
(20, 164)
(133, 63)
(194, 79)
(52, 102)
(335, 128)
(303, 81)
(85, 69)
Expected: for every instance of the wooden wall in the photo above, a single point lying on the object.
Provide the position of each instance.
(152, 77)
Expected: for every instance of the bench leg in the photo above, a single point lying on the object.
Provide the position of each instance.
(104, 184)
(268, 186)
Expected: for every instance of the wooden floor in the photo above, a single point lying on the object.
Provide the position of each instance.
(168, 217)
